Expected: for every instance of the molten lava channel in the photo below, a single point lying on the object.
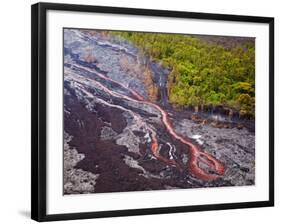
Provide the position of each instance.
(196, 154)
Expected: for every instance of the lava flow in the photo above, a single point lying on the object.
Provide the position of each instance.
(196, 155)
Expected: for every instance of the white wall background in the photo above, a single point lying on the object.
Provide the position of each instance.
(15, 110)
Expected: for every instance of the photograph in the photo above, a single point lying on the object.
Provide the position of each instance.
(147, 111)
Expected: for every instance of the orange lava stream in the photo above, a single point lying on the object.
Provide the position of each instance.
(196, 155)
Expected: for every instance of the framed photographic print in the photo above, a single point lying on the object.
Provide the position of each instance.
(139, 111)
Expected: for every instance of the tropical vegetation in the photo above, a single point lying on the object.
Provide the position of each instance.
(202, 72)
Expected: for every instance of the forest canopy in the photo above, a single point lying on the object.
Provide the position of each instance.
(203, 72)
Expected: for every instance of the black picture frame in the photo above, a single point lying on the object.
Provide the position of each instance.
(39, 122)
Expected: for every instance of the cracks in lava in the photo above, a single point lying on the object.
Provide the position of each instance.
(196, 155)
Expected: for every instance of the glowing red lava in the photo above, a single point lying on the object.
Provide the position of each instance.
(196, 155)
